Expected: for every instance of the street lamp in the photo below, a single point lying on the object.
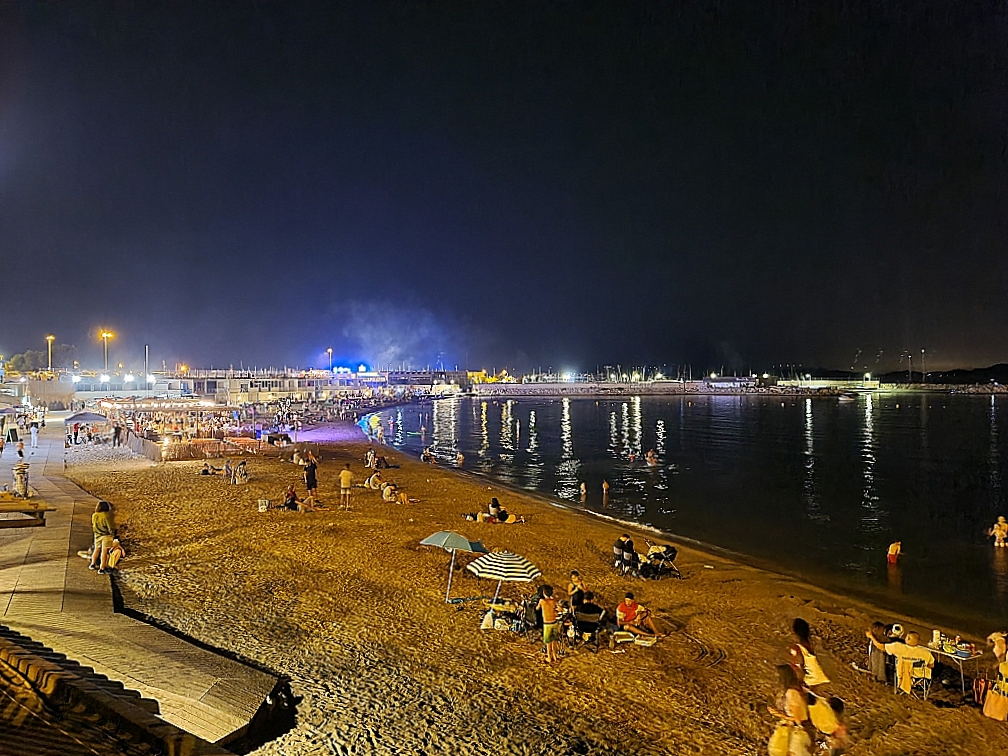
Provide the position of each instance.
(49, 340)
(105, 336)
(329, 350)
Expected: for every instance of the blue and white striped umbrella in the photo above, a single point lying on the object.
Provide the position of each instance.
(505, 567)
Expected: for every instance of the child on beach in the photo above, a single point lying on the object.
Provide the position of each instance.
(827, 717)
(548, 606)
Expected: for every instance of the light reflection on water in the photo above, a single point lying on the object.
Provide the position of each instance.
(817, 485)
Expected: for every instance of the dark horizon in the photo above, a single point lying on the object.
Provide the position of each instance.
(511, 184)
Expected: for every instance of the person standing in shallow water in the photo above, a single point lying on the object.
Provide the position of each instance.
(895, 550)
(1000, 532)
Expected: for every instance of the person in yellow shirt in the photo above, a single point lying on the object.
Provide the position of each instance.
(103, 527)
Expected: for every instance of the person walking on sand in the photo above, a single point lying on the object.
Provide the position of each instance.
(802, 656)
(792, 736)
(311, 478)
(548, 606)
(103, 527)
(346, 479)
(895, 549)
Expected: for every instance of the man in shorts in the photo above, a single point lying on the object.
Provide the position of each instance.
(634, 618)
(311, 478)
(551, 625)
(346, 479)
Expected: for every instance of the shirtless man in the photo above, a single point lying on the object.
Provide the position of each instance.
(551, 625)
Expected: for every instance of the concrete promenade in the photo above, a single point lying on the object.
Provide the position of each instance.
(48, 593)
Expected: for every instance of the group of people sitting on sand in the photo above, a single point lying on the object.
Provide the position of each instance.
(236, 475)
(580, 609)
(495, 514)
(390, 492)
(375, 461)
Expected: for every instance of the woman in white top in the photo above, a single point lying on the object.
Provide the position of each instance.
(803, 658)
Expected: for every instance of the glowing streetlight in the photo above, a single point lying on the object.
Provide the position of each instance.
(49, 340)
(329, 351)
(105, 336)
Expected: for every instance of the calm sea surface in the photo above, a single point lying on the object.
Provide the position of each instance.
(817, 487)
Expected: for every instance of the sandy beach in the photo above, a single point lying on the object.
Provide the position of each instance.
(352, 609)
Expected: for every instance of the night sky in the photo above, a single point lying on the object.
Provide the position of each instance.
(565, 185)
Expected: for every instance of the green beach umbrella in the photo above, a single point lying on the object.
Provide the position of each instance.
(453, 542)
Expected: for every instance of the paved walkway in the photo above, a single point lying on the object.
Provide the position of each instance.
(48, 593)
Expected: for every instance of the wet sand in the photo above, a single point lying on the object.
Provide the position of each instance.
(352, 608)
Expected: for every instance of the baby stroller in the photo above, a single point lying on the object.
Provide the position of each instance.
(660, 563)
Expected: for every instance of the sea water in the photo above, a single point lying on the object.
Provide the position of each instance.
(817, 487)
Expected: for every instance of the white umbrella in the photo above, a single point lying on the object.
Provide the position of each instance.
(453, 542)
(503, 566)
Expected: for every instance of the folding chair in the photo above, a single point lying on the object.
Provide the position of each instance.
(587, 628)
(920, 680)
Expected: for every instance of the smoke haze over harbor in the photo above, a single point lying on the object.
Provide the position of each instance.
(648, 183)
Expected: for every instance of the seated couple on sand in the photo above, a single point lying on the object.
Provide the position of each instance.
(294, 504)
(496, 514)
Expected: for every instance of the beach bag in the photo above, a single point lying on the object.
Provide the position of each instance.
(789, 740)
(116, 553)
(779, 741)
(981, 687)
(996, 703)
